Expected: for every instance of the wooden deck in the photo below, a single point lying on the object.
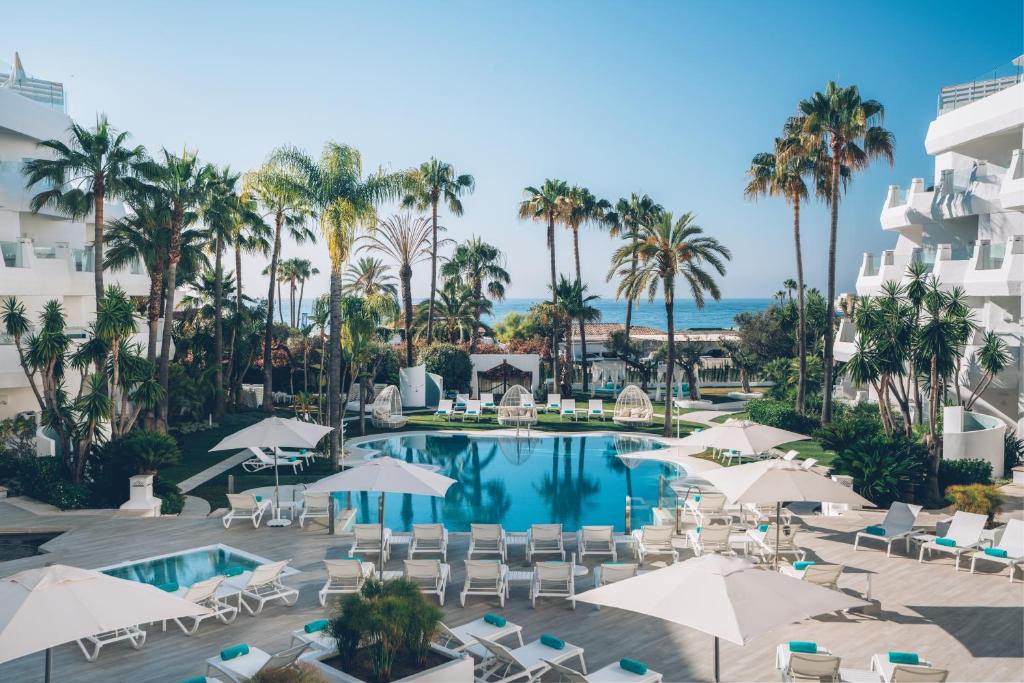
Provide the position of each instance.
(972, 625)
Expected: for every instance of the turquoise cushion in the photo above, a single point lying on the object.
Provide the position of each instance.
(696, 498)
(875, 530)
(292, 458)
(232, 571)
(948, 542)
(803, 565)
(170, 586)
(495, 619)
(303, 451)
(763, 528)
(195, 679)
(633, 666)
(904, 658)
(805, 646)
(259, 499)
(552, 642)
(697, 531)
(234, 651)
(314, 626)
(358, 558)
(995, 552)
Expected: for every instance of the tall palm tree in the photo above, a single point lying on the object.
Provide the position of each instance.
(304, 271)
(577, 308)
(277, 190)
(544, 204)
(369, 276)
(426, 187)
(287, 274)
(345, 201)
(455, 314)
(481, 266)
(93, 166)
(407, 241)
(850, 128)
(623, 222)
(669, 250)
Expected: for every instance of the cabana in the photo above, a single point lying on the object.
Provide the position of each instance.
(517, 407)
(633, 407)
(387, 409)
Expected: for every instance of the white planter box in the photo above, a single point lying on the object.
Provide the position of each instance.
(456, 671)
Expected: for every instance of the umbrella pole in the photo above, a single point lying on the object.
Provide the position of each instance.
(778, 529)
(717, 662)
(277, 520)
(380, 518)
(49, 664)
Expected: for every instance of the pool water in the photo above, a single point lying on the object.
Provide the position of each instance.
(575, 480)
(185, 568)
(17, 546)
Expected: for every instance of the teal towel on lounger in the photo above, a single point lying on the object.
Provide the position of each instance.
(234, 651)
(875, 530)
(904, 658)
(804, 646)
(948, 542)
(196, 679)
(995, 552)
(314, 626)
(233, 571)
(763, 528)
(552, 642)
(633, 666)
(495, 619)
(259, 499)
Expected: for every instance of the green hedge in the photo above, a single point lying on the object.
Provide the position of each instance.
(451, 362)
(964, 472)
(42, 479)
(780, 414)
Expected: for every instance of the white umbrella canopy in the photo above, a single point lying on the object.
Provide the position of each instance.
(275, 432)
(779, 481)
(682, 456)
(49, 606)
(386, 475)
(749, 438)
(725, 597)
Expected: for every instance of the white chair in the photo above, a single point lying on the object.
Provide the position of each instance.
(317, 635)
(553, 404)
(782, 653)
(527, 663)
(596, 540)
(610, 572)
(553, 579)
(765, 541)
(808, 464)
(805, 666)
(485, 577)
(306, 455)
(790, 455)
(487, 402)
(245, 667)
(430, 575)
(429, 538)
(613, 673)
(368, 542)
(205, 593)
(473, 410)
(568, 409)
(463, 638)
(703, 504)
(344, 576)
(263, 586)
(595, 408)
(826, 575)
(444, 409)
(1008, 550)
(245, 506)
(898, 523)
(132, 634)
(893, 671)
(654, 540)
(315, 505)
(261, 461)
(712, 538)
(544, 539)
(487, 539)
(964, 534)
(461, 401)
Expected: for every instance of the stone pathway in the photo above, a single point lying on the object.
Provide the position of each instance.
(213, 471)
(707, 417)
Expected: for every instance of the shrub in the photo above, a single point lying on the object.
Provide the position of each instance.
(964, 472)
(172, 500)
(780, 414)
(303, 673)
(1013, 452)
(44, 480)
(980, 499)
(884, 470)
(451, 362)
(849, 430)
(149, 451)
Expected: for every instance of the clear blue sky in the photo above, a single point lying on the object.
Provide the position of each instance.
(672, 99)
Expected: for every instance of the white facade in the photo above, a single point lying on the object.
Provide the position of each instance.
(967, 224)
(45, 255)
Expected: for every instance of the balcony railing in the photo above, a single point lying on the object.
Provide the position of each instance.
(991, 256)
(12, 253)
(1002, 77)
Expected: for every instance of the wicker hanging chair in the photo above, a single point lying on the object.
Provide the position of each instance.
(633, 408)
(387, 409)
(517, 407)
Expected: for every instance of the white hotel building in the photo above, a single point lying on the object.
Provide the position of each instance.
(45, 255)
(967, 224)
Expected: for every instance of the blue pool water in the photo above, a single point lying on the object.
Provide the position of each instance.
(575, 480)
(185, 568)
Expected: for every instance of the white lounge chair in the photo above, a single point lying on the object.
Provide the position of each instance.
(610, 572)
(595, 408)
(711, 538)
(430, 575)
(568, 409)
(826, 575)
(487, 539)
(245, 506)
(654, 540)
(306, 455)
(132, 634)
(315, 505)
(553, 579)
(1008, 550)
(461, 401)
(808, 464)
(891, 671)
(764, 541)
(205, 593)
(487, 402)
(463, 638)
(429, 538)
(596, 540)
(485, 577)
(790, 455)
(317, 635)
(244, 667)
(344, 576)
(444, 409)
(261, 461)
(527, 663)
(702, 505)
(544, 539)
(756, 514)
(473, 410)
(782, 653)
(613, 673)
(964, 534)
(898, 523)
(805, 666)
(368, 542)
(553, 404)
(263, 586)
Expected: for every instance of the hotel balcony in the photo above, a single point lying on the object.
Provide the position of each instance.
(58, 270)
(907, 209)
(845, 344)
(875, 271)
(1011, 192)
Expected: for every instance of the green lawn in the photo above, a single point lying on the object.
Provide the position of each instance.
(195, 447)
(808, 448)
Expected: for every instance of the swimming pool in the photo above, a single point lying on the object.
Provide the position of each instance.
(575, 480)
(187, 567)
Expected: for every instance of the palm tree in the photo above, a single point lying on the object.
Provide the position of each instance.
(304, 270)
(319, 317)
(370, 276)
(94, 166)
(407, 241)
(455, 313)
(993, 357)
(544, 204)
(623, 222)
(481, 266)
(287, 273)
(115, 323)
(850, 128)
(433, 182)
(668, 250)
(278, 191)
(576, 307)
(345, 202)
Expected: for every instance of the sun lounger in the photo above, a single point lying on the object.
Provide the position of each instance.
(487, 402)
(826, 575)
(133, 634)
(485, 577)
(654, 540)
(782, 653)
(344, 576)
(905, 669)
(808, 464)
(1008, 550)
(596, 540)
(317, 635)
(553, 404)
(261, 461)
(568, 409)
(613, 673)
(205, 593)
(711, 538)
(701, 505)
(252, 661)
(610, 572)
(763, 539)
(544, 539)
(429, 538)
(444, 409)
(306, 455)
(315, 505)
(964, 534)
(487, 539)
(473, 410)
(430, 575)
(554, 579)
(463, 638)
(595, 408)
(805, 666)
(527, 663)
(461, 401)
(263, 586)
(245, 506)
(898, 523)
(368, 542)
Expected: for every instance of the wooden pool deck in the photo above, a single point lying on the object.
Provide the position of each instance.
(971, 625)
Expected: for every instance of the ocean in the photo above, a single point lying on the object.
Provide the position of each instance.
(717, 314)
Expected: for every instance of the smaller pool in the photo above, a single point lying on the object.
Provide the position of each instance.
(17, 546)
(187, 567)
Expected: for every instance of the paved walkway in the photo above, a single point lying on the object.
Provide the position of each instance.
(707, 417)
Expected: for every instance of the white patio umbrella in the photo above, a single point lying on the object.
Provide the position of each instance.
(779, 481)
(726, 597)
(386, 475)
(275, 432)
(681, 456)
(49, 606)
(749, 438)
